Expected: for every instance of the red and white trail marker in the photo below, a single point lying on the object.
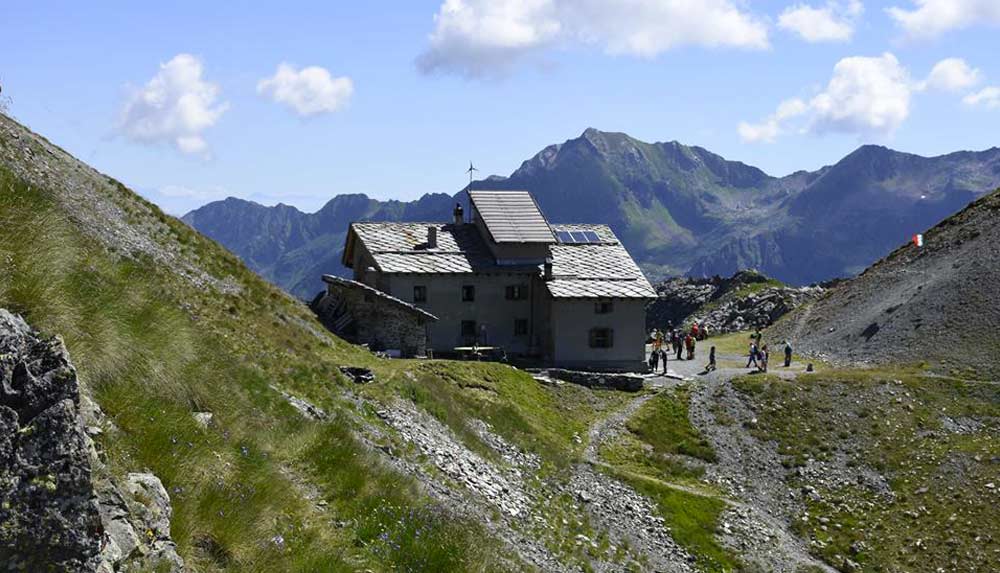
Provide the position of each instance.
(918, 240)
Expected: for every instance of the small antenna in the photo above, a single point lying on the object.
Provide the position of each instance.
(468, 190)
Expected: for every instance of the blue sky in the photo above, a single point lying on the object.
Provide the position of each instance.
(189, 102)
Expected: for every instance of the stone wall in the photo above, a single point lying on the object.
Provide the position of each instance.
(362, 315)
(624, 382)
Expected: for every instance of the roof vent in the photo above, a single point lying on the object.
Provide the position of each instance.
(432, 237)
(548, 269)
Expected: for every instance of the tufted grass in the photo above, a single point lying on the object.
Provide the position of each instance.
(153, 349)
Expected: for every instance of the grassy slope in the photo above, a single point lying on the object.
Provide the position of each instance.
(662, 448)
(152, 349)
(942, 514)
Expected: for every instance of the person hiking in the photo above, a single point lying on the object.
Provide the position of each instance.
(657, 339)
(678, 347)
(694, 330)
(704, 332)
(711, 360)
(654, 360)
(788, 354)
(663, 358)
(753, 355)
(689, 345)
(763, 358)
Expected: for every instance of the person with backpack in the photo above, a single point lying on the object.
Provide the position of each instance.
(711, 360)
(678, 347)
(654, 359)
(689, 345)
(694, 331)
(663, 359)
(753, 355)
(788, 354)
(763, 358)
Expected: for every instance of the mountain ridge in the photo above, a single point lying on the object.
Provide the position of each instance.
(679, 209)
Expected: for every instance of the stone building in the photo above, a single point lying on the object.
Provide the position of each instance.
(363, 315)
(558, 295)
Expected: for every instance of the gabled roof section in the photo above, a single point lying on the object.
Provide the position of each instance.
(402, 247)
(595, 270)
(512, 217)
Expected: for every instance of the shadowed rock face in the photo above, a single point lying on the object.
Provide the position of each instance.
(50, 517)
(59, 508)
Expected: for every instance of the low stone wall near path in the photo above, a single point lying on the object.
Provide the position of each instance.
(614, 381)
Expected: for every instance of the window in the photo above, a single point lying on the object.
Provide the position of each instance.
(602, 338)
(603, 307)
(468, 328)
(419, 294)
(468, 293)
(520, 327)
(517, 292)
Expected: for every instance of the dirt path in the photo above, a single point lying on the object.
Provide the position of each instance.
(758, 524)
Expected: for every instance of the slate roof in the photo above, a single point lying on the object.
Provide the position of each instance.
(595, 270)
(591, 270)
(512, 216)
(402, 248)
(333, 279)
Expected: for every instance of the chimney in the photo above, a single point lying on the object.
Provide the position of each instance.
(548, 269)
(457, 214)
(432, 237)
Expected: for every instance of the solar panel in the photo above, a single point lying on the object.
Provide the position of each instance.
(564, 237)
(592, 237)
(579, 237)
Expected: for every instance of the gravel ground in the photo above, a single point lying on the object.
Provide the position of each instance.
(939, 303)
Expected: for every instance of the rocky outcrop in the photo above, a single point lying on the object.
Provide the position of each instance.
(746, 300)
(60, 509)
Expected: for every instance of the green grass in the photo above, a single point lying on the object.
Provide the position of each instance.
(661, 449)
(152, 349)
(663, 423)
(895, 422)
(692, 520)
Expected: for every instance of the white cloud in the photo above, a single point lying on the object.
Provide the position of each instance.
(769, 130)
(647, 28)
(988, 97)
(486, 37)
(834, 22)
(865, 95)
(176, 106)
(309, 91)
(952, 75)
(932, 18)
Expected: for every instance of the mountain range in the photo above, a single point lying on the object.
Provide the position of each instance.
(680, 210)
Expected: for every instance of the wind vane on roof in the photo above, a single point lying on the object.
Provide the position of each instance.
(470, 171)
